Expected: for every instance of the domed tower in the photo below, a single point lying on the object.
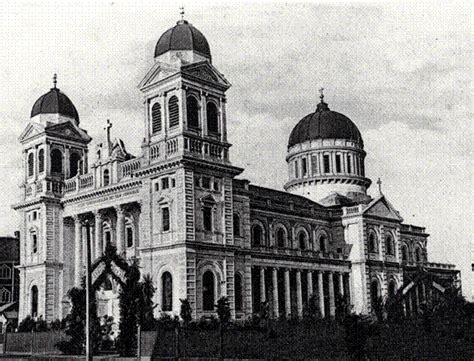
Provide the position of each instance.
(326, 158)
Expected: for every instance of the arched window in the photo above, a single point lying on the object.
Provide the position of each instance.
(302, 240)
(173, 111)
(106, 177)
(374, 291)
(5, 271)
(34, 242)
(129, 233)
(257, 235)
(31, 164)
(5, 295)
(322, 243)
(404, 253)
(34, 301)
(56, 161)
(212, 118)
(236, 223)
(156, 118)
(74, 160)
(238, 292)
(208, 291)
(41, 161)
(166, 292)
(281, 237)
(389, 245)
(392, 288)
(418, 255)
(372, 243)
(192, 112)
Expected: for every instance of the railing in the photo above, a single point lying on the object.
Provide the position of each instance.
(351, 210)
(299, 252)
(128, 167)
(439, 265)
(86, 181)
(70, 185)
(155, 151)
(171, 146)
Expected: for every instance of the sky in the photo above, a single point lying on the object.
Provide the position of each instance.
(401, 72)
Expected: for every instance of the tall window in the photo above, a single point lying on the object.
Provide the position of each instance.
(212, 118)
(238, 291)
(207, 218)
(165, 220)
(327, 167)
(34, 242)
(156, 118)
(236, 222)
(404, 253)
(349, 164)
(107, 237)
(173, 111)
(41, 161)
(338, 163)
(167, 292)
(322, 243)
(257, 235)
(302, 240)
(31, 164)
(106, 177)
(56, 161)
(34, 301)
(296, 169)
(129, 232)
(281, 237)
(374, 292)
(208, 291)
(74, 160)
(392, 288)
(389, 246)
(314, 164)
(304, 167)
(418, 255)
(372, 243)
(5, 271)
(192, 112)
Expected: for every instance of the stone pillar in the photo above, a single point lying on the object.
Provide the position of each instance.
(287, 293)
(417, 299)
(341, 283)
(276, 311)
(423, 291)
(299, 294)
(77, 251)
(309, 281)
(120, 230)
(263, 297)
(98, 234)
(332, 304)
(321, 293)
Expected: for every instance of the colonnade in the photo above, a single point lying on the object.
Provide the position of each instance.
(296, 292)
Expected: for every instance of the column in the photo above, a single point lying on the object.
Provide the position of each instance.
(276, 311)
(299, 294)
(341, 283)
(287, 293)
(321, 293)
(309, 281)
(417, 298)
(120, 229)
(78, 251)
(263, 297)
(98, 234)
(332, 304)
(423, 291)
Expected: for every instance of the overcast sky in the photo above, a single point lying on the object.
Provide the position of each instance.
(401, 72)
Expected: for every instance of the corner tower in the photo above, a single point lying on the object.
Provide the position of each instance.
(326, 158)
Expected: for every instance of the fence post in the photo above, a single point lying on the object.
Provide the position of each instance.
(32, 340)
(139, 343)
(5, 340)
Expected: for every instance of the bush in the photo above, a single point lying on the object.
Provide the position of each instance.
(27, 324)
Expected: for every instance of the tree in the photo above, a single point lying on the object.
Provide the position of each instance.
(223, 312)
(146, 319)
(186, 314)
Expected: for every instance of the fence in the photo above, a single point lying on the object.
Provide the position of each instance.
(34, 342)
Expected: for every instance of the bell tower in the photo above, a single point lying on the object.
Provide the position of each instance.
(54, 149)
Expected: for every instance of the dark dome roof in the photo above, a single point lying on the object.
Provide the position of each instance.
(183, 36)
(324, 124)
(55, 102)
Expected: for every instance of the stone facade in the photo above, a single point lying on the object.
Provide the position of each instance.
(200, 232)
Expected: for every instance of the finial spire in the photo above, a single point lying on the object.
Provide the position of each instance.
(379, 182)
(322, 106)
(181, 11)
(109, 141)
(55, 80)
(321, 91)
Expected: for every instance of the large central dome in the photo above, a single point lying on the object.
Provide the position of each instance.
(183, 36)
(324, 124)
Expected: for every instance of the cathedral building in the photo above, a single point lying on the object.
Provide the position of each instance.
(201, 232)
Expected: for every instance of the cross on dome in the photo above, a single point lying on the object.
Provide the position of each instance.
(55, 80)
(321, 91)
(379, 183)
(181, 11)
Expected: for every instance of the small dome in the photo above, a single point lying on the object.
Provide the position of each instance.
(324, 124)
(183, 36)
(55, 102)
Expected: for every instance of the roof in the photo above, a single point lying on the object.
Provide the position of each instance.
(324, 124)
(183, 36)
(9, 249)
(55, 102)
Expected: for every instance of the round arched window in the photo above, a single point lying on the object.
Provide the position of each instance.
(302, 240)
(389, 245)
(56, 161)
(208, 291)
(192, 112)
(257, 235)
(405, 253)
(372, 243)
(281, 237)
(323, 243)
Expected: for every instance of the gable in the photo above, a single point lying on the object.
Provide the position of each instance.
(155, 74)
(205, 72)
(31, 130)
(383, 209)
(67, 130)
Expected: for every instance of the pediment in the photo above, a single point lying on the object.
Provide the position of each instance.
(382, 208)
(204, 71)
(155, 74)
(31, 130)
(67, 130)
(208, 199)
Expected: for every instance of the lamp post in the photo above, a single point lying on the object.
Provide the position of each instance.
(88, 289)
